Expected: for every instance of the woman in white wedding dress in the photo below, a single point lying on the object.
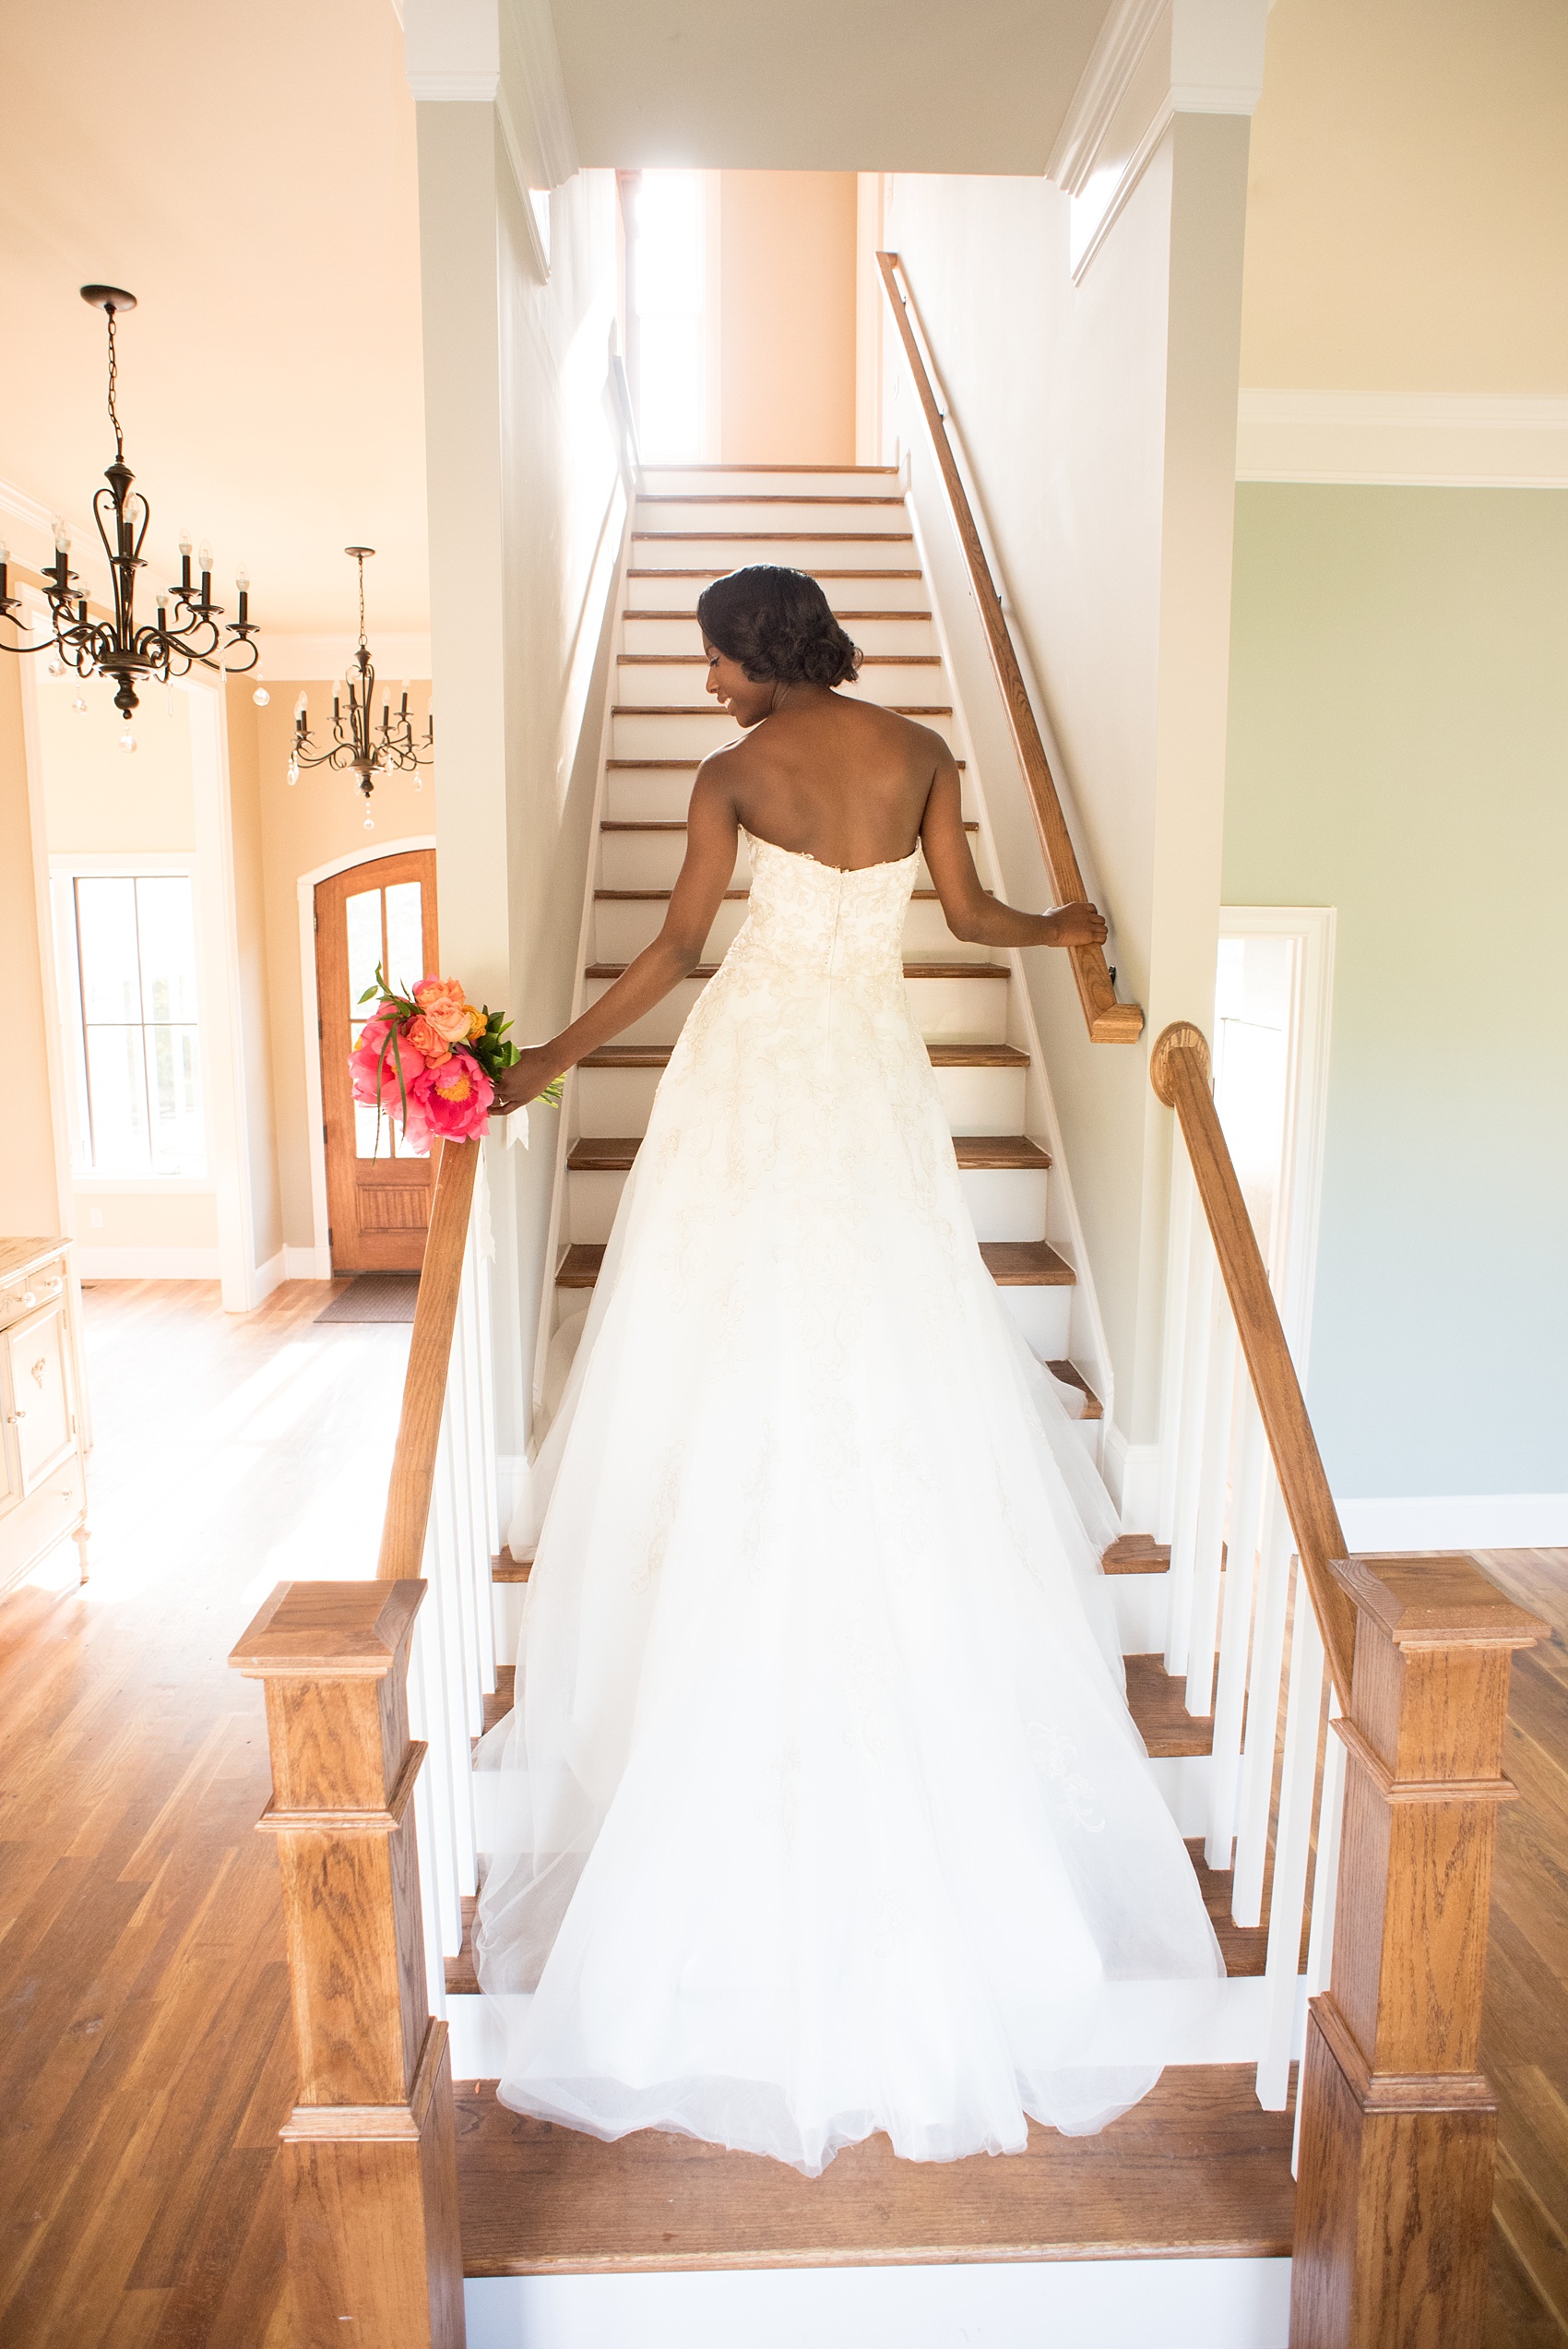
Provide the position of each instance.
(820, 1810)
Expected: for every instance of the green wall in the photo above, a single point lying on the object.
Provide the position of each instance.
(1398, 749)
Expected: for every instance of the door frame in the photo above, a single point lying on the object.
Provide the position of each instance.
(315, 1263)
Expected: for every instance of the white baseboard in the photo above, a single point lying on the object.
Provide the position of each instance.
(308, 1264)
(1438, 440)
(147, 1264)
(1458, 1522)
(1023, 2304)
(269, 1276)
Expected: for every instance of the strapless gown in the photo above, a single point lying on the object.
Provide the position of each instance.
(820, 1810)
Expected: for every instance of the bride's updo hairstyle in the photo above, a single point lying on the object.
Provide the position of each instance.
(776, 624)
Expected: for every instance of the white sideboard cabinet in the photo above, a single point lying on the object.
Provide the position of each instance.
(43, 1423)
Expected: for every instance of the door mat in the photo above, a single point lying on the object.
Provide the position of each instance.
(374, 1296)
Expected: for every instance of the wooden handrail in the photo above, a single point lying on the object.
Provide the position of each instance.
(1108, 1022)
(1179, 1071)
(429, 1353)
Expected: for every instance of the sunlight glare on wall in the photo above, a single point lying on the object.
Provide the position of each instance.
(668, 281)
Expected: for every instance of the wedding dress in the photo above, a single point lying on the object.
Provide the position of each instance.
(820, 1810)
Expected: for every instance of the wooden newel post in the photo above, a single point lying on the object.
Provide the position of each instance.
(369, 2151)
(1398, 2126)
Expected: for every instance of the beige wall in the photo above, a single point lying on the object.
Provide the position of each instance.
(30, 1196)
(1408, 206)
(98, 797)
(787, 318)
(282, 830)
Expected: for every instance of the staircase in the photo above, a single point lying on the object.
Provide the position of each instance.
(1198, 2173)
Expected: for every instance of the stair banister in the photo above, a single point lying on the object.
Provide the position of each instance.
(1396, 2125)
(1108, 1022)
(408, 1493)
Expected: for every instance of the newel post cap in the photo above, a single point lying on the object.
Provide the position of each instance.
(1443, 1600)
(328, 1631)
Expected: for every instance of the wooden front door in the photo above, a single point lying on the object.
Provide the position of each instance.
(377, 1192)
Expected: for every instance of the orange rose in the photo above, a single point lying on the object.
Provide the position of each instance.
(443, 1003)
(478, 1021)
(427, 1039)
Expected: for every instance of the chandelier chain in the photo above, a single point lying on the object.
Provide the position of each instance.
(113, 379)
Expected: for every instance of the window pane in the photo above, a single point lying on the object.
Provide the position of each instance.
(106, 927)
(669, 272)
(117, 1089)
(669, 371)
(405, 937)
(168, 949)
(364, 916)
(179, 1139)
(368, 1141)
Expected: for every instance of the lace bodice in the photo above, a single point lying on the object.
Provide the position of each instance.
(819, 920)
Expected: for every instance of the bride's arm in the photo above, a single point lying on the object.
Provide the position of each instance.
(972, 913)
(712, 835)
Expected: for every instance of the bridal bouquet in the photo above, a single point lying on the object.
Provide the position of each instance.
(431, 1060)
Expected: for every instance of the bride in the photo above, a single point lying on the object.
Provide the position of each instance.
(820, 1810)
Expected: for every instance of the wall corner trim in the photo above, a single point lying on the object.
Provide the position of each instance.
(1113, 59)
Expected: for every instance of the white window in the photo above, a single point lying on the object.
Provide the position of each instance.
(128, 977)
(667, 277)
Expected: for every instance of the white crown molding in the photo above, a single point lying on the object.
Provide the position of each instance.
(452, 49)
(1213, 62)
(1112, 62)
(1441, 440)
(318, 658)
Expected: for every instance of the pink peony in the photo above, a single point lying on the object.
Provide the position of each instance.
(376, 1078)
(434, 1048)
(443, 1003)
(455, 1099)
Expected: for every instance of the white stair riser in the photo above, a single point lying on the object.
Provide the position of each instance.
(696, 733)
(1045, 1316)
(679, 631)
(652, 860)
(659, 794)
(1006, 1204)
(623, 926)
(969, 1011)
(1141, 1602)
(977, 1101)
(671, 582)
(891, 685)
(756, 514)
(784, 480)
(886, 548)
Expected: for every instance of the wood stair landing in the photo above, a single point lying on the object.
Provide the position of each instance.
(1196, 2171)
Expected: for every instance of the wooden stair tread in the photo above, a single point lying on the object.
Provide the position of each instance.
(897, 611)
(712, 709)
(699, 660)
(507, 1569)
(1012, 1264)
(686, 766)
(1157, 1700)
(1245, 1948)
(912, 969)
(940, 1055)
(717, 571)
(1027, 1264)
(679, 824)
(779, 538)
(611, 1153)
(1195, 2170)
(765, 498)
(1136, 1554)
(1070, 1376)
(639, 896)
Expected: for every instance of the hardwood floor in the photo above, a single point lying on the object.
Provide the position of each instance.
(146, 2060)
(147, 2057)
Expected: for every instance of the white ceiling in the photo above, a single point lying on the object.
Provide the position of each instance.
(823, 85)
(249, 174)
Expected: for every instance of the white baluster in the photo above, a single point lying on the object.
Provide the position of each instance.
(442, 1841)
(1325, 1881)
(1235, 1638)
(1178, 1308)
(425, 1839)
(458, 1729)
(1263, 1706)
(1208, 1530)
(1292, 1848)
(1201, 1285)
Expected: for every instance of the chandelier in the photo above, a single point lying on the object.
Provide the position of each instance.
(117, 646)
(359, 746)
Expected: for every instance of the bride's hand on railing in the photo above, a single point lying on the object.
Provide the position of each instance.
(527, 1078)
(1078, 925)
